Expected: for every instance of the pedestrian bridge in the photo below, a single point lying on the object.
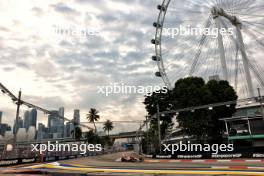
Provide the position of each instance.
(132, 134)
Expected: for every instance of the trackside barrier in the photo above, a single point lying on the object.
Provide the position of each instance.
(25, 156)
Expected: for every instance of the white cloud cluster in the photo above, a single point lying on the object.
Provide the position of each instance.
(53, 71)
(56, 71)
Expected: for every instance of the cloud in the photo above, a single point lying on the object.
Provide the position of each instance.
(64, 70)
(64, 9)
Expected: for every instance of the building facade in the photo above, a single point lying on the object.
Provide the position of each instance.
(26, 119)
(17, 125)
(68, 129)
(42, 132)
(33, 118)
(1, 114)
(76, 117)
(55, 125)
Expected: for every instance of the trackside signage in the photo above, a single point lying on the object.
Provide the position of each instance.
(17, 161)
(208, 156)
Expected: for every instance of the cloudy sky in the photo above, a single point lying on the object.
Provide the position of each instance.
(55, 69)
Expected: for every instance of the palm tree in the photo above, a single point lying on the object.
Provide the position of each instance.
(93, 116)
(108, 126)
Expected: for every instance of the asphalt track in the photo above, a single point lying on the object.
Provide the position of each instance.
(106, 165)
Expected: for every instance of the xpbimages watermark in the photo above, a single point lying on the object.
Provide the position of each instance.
(76, 31)
(121, 88)
(82, 148)
(195, 31)
(181, 147)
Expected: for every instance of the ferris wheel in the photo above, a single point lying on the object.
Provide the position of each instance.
(213, 39)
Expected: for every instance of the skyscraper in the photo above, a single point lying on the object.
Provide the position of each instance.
(42, 132)
(76, 116)
(61, 111)
(68, 129)
(3, 128)
(61, 114)
(214, 77)
(26, 119)
(55, 126)
(1, 113)
(33, 118)
(18, 125)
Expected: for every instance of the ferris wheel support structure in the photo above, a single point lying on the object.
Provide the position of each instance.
(216, 12)
(218, 15)
(221, 49)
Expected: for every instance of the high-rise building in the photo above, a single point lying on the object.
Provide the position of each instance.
(68, 129)
(17, 125)
(56, 128)
(26, 119)
(76, 117)
(61, 111)
(214, 77)
(42, 132)
(33, 118)
(53, 119)
(1, 114)
(3, 128)
(61, 114)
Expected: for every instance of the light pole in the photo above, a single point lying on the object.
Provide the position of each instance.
(261, 104)
(148, 143)
(17, 115)
(158, 117)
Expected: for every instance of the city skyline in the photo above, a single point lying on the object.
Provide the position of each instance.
(119, 87)
(55, 71)
(29, 118)
(55, 127)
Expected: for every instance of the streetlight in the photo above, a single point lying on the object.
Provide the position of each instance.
(17, 114)
(261, 104)
(158, 116)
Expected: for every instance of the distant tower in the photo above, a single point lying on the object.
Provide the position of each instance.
(42, 132)
(68, 129)
(61, 114)
(214, 77)
(1, 114)
(26, 119)
(33, 118)
(55, 126)
(18, 125)
(76, 116)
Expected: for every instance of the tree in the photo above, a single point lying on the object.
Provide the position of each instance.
(92, 138)
(108, 141)
(108, 126)
(77, 133)
(203, 124)
(93, 116)
(161, 100)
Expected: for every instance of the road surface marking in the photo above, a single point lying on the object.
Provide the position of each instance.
(196, 172)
